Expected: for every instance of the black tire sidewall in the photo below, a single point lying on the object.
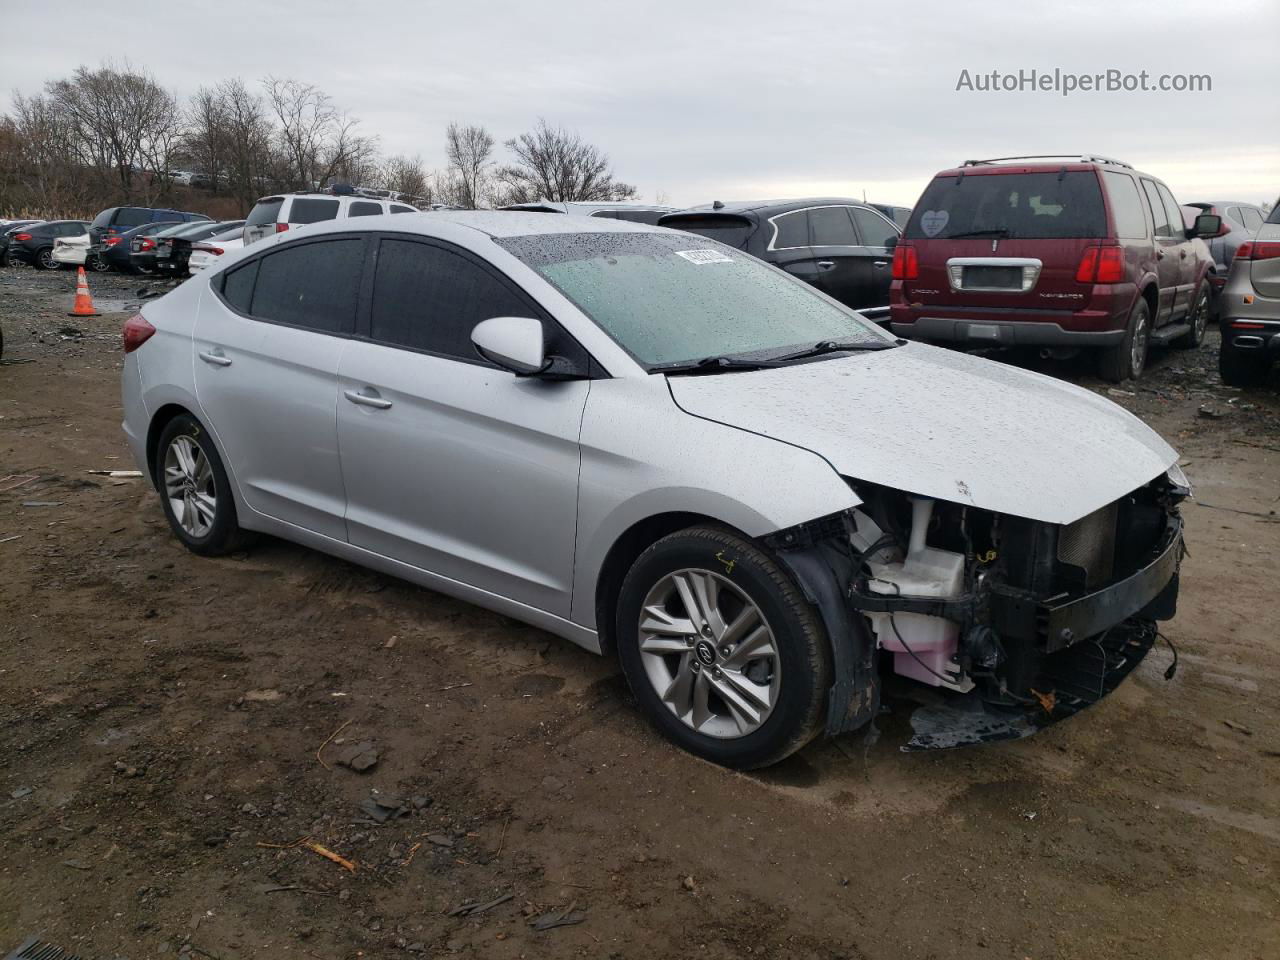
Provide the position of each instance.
(801, 645)
(222, 534)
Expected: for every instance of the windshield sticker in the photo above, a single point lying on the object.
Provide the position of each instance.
(704, 256)
(933, 222)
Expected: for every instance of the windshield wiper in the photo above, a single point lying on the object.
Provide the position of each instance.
(991, 232)
(836, 346)
(714, 365)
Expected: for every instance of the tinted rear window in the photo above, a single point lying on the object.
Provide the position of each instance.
(308, 210)
(237, 285)
(264, 212)
(1014, 205)
(127, 217)
(731, 231)
(395, 208)
(649, 217)
(363, 208)
(1126, 206)
(311, 285)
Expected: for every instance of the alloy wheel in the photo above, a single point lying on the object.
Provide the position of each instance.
(189, 486)
(1138, 349)
(46, 260)
(709, 653)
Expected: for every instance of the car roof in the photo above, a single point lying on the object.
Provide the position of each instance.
(493, 223)
(772, 206)
(582, 206)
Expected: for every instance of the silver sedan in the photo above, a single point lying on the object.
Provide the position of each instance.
(667, 451)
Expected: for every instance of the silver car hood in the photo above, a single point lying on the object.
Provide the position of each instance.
(944, 424)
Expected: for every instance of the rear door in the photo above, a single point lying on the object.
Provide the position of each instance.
(787, 245)
(451, 464)
(844, 270)
(1188, 263)
(268, 340)
(1168, 235)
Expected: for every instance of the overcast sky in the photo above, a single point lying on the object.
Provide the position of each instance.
(727, 99)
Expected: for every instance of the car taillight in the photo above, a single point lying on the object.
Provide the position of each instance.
(146, 243)
(22, 237)
(1258, 250)
(137, 331)
(281, 227)
(1101, 265)
(906, 263)
(111, 241)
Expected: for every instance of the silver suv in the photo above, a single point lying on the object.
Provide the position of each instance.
(278, 213)
(1250, 307)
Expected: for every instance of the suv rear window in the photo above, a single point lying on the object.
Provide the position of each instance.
(127, 217)
(732, 231)
(1023, 205)
(308, 210)
(264, 212)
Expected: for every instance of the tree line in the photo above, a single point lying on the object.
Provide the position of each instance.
(114, 135)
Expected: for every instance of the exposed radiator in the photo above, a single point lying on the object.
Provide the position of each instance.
(1090, 544)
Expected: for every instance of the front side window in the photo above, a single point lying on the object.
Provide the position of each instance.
(1126, 206)
(312, 210)
(671, 298)
(1012, 205)
(875, 230)
(1171, 209)
(831, 227)
(791, 230)
(313, 285)
(428, 298)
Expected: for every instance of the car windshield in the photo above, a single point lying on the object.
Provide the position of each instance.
(1010, 205)
(668, 298)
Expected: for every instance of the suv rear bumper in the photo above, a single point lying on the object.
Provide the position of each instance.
(1037, 332)
(1252, 335)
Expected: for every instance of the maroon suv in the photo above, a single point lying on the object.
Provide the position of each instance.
(1077, 252)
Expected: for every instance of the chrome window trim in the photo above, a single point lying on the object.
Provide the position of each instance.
(827, 206)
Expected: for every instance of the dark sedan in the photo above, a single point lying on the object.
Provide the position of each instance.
(843, 247)
(173, 246)
(7, 230)
(34, 244)
(115, 250)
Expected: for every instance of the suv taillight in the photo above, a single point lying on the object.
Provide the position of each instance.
(137, 331)
(906, 263)
(1255, 250)
(281, 227)
(1101, 265)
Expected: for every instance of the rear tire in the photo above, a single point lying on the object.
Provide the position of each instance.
(741, 679)
(1198, 318)
(194, 489)
(96, 264)
(1128, 358)
(1240, 369)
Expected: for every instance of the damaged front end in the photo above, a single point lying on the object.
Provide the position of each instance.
(1017, 623)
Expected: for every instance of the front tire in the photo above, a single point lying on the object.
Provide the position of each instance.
(721, 650)
(194, 489)
(44, 259)
(1128, 358)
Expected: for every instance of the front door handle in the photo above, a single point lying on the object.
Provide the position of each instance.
(366, 400)
(215, 357)
(1182, 254)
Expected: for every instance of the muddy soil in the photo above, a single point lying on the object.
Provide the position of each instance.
(171, 728)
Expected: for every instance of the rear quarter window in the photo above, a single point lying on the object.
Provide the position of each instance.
(312, 210)
(364, 208)
(237, 286)
(1126, 206)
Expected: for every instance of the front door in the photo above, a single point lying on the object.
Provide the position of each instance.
(267, 342)
(451, 464)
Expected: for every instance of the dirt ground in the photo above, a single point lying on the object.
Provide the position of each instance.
(161, 719)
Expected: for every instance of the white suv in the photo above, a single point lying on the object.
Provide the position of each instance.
(277, 214)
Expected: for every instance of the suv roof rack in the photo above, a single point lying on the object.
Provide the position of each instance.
(1079, 158)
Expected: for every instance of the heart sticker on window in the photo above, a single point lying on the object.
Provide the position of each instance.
(933, 222)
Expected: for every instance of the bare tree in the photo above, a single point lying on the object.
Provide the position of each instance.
(205, 138)
(125, 125)
(316, 140)
(556, 164)
(248, 145)
(406, 176)
(43, 158)
(469, 150)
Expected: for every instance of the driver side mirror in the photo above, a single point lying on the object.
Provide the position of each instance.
(1207, 225)
(513, 343)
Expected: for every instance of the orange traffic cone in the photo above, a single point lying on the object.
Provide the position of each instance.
(84, 303)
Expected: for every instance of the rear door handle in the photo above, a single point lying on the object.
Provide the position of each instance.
(1159, 254)
(826, 264)
(216, 357)
(881, 263)
(367, 400)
